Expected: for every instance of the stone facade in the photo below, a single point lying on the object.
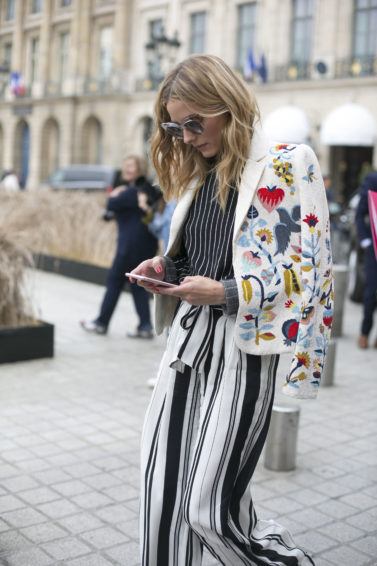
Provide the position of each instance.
(83, 94)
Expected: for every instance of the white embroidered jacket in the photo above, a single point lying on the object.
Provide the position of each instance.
(281, 260)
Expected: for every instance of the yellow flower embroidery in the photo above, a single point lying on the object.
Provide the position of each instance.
(265, 235)
(283, 171)
(303, 359)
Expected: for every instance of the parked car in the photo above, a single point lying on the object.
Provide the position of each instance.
(85, 178)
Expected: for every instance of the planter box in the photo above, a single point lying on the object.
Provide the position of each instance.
(26, 343)
(70, 268)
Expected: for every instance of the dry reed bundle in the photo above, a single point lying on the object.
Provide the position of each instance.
(61, 224)
(15, 306)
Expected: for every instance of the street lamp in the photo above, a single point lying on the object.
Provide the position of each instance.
(161, 54)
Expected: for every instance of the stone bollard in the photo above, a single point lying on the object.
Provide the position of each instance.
(340, 291)
(327, 378)
(281, 444)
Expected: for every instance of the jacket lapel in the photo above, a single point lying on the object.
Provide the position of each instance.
(252, 173)
(179, 215)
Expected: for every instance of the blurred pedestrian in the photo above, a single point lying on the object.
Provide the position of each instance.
(9, 182)
(135, 243)
(249, 251)
(370, 263)
(161, 214)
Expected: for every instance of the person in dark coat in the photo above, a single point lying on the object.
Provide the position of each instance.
(365, 240)
(135, 244)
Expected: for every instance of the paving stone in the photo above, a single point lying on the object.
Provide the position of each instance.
(315, 541)
(9, 503)
(81, 470)
(24, 517)
(80, 523)
(346, 556)
(104, 537)
(19, 483)
(92, 500)
(64, 549)
(39, 495)
(30, 557)
(12, 541)
(367, 545)
(364, 521)
(103, 481)
(43, 532)
(58, 509)
(337, 509)
(70, 488)
(341, 531)
(359, 500)
(91, 560)
(125, 554)
(282, 505)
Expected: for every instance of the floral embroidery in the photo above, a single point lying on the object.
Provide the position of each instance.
(265, 235)
(312, 221)
(284, 260)
(309, 177)
(283, 171)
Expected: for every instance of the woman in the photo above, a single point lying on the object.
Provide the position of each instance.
(249, 246)
(135, 243)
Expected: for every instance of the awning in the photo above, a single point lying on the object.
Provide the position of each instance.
(350, 124)
(287, 124)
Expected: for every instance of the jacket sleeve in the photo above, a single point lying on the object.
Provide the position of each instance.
(316, 280)
(125, 200)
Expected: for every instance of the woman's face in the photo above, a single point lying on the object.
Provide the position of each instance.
(130, 170)
(209, 143)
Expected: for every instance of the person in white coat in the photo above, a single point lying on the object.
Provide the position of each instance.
(250, 253)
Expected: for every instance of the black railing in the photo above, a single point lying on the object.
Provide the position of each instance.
(293, 71)
(356, 67)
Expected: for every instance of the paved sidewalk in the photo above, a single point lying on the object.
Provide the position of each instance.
(70, 433)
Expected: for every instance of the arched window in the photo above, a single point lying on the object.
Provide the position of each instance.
(91, 150)
(22, 151)
(50, 148)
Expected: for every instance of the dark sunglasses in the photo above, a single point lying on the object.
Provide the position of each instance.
(192, 125)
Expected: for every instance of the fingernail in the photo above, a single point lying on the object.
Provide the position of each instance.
(158, 269)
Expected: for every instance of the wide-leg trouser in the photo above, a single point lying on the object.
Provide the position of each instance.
(203, 435)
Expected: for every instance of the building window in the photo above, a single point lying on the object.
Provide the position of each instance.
(7, 55)
(365, 29)
(197, 32)
(34, 53)
(105, 52)
(63, 55)
(36, 6)
(302, 24)
(9, 9)
(65, 3)
(246, 32)
(156, 28)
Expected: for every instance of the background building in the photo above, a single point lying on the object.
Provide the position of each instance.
(77, 83)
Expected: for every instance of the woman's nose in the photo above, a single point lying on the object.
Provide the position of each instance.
(188, 136)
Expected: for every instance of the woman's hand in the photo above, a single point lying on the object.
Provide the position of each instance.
(116, 192)
(154, 268)
(197, 290)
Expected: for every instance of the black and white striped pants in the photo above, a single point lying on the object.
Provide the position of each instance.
(203, 434)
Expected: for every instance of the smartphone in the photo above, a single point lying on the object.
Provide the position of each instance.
(151, 280)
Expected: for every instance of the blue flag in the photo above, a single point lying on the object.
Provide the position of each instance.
(249, 66)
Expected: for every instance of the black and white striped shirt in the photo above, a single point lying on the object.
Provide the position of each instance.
(206, 247)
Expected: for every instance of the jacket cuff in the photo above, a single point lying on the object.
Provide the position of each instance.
(231, 296)
(171, 275)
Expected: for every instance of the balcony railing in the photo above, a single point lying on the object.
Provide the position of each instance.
(356, 67)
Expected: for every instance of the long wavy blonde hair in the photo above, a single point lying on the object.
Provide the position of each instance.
(206, 83)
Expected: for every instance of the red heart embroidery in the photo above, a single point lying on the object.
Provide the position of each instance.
(270, 197)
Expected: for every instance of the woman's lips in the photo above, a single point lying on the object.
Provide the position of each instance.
(200, 147)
